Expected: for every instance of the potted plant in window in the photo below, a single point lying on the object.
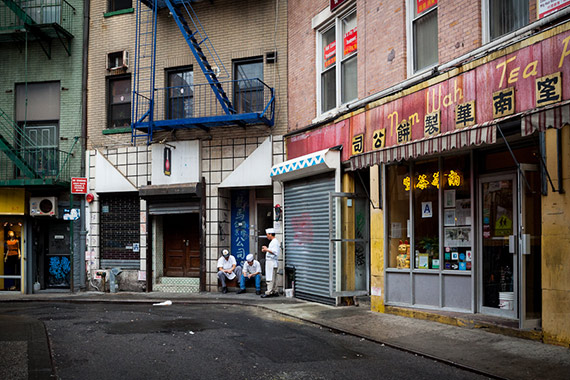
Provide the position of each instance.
(430, 245)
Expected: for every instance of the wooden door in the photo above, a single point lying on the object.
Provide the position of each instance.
(182, 245)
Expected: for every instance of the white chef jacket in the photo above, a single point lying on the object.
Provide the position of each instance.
(251, 269)
(272, 259)
(227, 264)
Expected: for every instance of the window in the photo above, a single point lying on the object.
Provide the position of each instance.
(117, 5)
(248, 87)
(40, 148)
(506, 16)
(119, 106)
(332, 79)
(424, 34)
(180, 101)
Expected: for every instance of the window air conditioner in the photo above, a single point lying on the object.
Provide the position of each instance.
(118, 60)
(43, 206)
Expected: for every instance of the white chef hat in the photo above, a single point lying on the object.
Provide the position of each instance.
(249, 258)
(270, 231)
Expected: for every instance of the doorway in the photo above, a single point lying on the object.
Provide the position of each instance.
(182, 245)
(509, 237)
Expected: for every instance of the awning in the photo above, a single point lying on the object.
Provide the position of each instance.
(309, 164)
(253, 171)
(475, 135)
(553, 116)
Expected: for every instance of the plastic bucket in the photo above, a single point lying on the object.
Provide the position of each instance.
(506, 300)
(289, 293)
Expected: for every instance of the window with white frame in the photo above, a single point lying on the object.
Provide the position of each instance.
(338, 77)
(424, 34)
(505, 16)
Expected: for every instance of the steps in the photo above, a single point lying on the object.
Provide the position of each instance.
(177, 285)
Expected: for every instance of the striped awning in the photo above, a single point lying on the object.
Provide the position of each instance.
(475, 135)
(553, 116)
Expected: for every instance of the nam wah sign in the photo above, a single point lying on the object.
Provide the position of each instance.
(531, 77)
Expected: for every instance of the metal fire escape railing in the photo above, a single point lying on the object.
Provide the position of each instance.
(43, 19)
(253, 101)
(24, 161)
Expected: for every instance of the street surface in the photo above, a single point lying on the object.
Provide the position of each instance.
(140, 341)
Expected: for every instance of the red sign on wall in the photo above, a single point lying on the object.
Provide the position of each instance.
(336, 3)
(78, 185)
(424, 5)
(330, 54)
(350, 42)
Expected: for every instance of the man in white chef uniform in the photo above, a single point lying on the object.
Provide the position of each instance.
(271, 263)
(228, 269)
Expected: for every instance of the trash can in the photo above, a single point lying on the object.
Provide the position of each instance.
(289, 276)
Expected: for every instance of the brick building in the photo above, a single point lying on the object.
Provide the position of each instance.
(170, 194)
(431, 137)
(41, 109)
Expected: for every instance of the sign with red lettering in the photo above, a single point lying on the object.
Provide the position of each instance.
(330, 54)
(424, 5)
(350, 42)
(546, 7)
(336, 3)
(78, 185)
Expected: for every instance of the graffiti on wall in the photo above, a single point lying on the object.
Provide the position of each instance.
(59, 270)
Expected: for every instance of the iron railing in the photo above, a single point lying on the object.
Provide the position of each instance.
(15, 14)
(248, 96)
(46, 163)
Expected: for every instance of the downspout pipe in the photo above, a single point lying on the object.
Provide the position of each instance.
(84, 76)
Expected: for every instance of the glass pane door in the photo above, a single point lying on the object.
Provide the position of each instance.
(498, 275)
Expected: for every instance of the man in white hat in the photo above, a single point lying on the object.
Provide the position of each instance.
(228, 269)
(251, 271)
(271, 263)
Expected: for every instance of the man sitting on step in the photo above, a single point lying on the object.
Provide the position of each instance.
(251, 271)
(228, 269)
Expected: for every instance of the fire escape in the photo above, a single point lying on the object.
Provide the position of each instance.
(187, 105)
(25, 158)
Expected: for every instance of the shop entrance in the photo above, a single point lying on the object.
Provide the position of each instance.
(182, 245)
(509, 237)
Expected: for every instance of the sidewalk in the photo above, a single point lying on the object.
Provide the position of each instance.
(491, 354)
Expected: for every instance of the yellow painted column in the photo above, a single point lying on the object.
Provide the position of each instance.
(348, 232)
(556, 246)
(376, 243)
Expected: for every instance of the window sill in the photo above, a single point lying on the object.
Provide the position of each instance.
(113, 131)
(119, 12)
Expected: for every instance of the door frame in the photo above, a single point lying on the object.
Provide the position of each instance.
(504, 175)
(164, 243)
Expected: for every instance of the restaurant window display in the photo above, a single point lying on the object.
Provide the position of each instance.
(10, 267)
(437, 228)
(398, 179)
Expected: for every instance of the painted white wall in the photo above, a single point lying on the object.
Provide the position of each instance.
(185, 165)
(109, 179)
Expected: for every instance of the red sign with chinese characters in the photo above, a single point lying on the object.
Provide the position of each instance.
(546, 7)
(424, 5)
(531, 72)
(78, 185)
(330, 54)
(350, 41)
(336, 3)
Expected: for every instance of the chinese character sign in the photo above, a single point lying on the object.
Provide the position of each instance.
(358, 144)
(404, 132)
(424, 5)
(330, 54)
(548, 89)
(379, 138)
(504, 102)
(240, 225)
(432, 123)
(465, 115)
(350, 42)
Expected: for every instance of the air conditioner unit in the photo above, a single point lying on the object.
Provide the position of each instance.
(43, 206)
(118, 60)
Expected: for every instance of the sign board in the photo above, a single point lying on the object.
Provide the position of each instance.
(546, 7)
(330, 54)
(424, 5)
(336, 3)
(350, 41)
(78, 185)
(71, 214)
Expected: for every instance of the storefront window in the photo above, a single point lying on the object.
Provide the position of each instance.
(457, 223)
(10, 265)
(398, 191)
(426, 183)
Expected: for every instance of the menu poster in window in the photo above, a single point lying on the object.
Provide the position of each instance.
(463, 212)
(449, 217)
(449, 198)
(457, 237)
(350, 41)
(396, 232)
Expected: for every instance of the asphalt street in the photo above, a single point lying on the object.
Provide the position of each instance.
(209, 341)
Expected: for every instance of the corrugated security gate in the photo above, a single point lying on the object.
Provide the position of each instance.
(307, 235)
